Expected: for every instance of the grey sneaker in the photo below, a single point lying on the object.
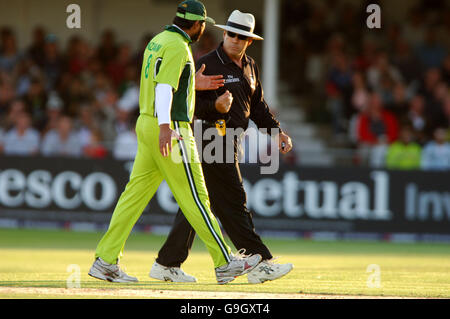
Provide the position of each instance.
(239, 265)
(268, 270)
(109, 272)
(174, 274)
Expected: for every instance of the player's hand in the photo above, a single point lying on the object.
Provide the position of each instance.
(165, 139)
(207, 82)
(285, 143)
(223, 102)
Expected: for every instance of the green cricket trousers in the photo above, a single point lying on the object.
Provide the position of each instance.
(183, 173)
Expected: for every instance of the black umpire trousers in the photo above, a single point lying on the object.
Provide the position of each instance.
(229, 204)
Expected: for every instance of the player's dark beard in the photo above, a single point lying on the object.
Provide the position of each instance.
(195, 37)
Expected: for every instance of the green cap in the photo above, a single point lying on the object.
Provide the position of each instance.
(193, 10)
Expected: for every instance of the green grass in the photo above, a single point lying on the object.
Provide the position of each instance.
(31, 258)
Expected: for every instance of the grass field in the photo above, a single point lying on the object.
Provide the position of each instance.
(34, 264)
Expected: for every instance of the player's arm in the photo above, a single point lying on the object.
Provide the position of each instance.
(172, 64)
(163, 104)
(263, 118)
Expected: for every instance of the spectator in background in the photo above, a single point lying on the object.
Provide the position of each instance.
(106, 109)
(376, 122)
(9, 54)
(85, 124)
(78, 54)
(339, 91)
(22, 139)
(94, 147)
(75, 93)
(107, 50)
(431, 53)
(53, 111)
(416, 117)
(125, 144)
(94, 68)
(436, 153)
(116, 68)
(36, 100)
(129, 89)
(435, 106)
(360, 95)
(122, 120)
(430, 80)
(25, 71)
(376, 128)
(7, 95)
(16, 107)
(406, 62)
(382, 72)
(63, 141)
(52, 62)
(36, 50)
(366, 55)
(359, 101)
(404, 153)
(399, 102)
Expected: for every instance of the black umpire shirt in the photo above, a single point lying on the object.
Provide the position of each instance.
(245, 86)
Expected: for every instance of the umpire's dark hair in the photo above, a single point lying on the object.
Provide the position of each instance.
(183, 23)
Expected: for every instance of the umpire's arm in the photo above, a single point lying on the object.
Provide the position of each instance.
(263, 118)
(259, 110)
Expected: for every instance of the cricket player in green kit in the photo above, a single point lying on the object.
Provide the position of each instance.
(167, 151)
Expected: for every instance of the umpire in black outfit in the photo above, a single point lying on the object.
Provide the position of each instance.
(240, 99)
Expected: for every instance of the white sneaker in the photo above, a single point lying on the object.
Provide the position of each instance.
(268, 270)
(174, 274)
(239, 265)
(109, 272)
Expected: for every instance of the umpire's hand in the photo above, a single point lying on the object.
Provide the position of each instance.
(165, 139)
(223, 102)
(285, 143)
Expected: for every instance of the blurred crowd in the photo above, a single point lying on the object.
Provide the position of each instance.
(69, 99)
(386, 91)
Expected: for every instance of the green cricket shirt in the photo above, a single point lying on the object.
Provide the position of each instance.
(168, 59)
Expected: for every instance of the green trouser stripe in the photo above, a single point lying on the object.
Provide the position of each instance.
(202, 209)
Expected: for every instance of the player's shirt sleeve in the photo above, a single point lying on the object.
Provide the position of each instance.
(172, 63)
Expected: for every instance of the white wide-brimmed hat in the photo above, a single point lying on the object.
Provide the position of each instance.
(241, 23)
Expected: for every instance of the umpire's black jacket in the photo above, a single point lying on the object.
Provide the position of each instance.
(245, 86)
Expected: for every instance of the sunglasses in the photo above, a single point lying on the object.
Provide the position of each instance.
(240, 36)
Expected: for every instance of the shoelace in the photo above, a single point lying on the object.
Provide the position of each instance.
(241, 254)
(176, 271)
(271, 262)
(120, 270)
